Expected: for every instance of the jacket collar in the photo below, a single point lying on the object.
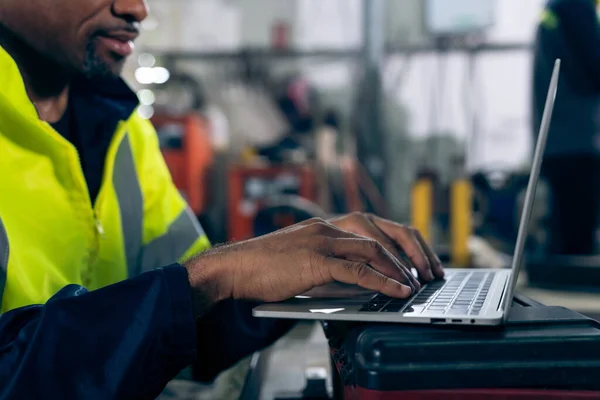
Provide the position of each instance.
(112, 95)
(12, 86)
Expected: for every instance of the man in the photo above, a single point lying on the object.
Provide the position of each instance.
(569, 30)
(87, 204)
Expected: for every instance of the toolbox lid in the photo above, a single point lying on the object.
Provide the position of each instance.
(540, 347)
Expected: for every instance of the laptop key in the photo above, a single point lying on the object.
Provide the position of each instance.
(421, 301)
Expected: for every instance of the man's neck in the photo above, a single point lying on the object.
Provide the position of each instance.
(46, 83)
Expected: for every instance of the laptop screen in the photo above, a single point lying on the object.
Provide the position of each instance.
(517, 260)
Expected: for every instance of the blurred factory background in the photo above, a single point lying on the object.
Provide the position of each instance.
(411, 87)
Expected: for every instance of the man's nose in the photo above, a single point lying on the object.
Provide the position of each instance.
(131, 10)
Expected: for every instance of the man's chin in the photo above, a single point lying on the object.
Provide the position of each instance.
(101, 66)
(100, 69)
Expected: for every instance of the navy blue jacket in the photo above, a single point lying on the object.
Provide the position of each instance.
(125, 341)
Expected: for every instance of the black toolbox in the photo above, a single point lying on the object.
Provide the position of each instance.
(542, 351)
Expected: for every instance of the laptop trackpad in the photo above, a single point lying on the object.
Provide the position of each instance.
(337, 290)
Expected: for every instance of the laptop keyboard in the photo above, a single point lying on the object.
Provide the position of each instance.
(463, 293)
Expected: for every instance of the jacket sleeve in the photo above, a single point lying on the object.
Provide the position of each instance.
(228, 332)
(171, 231)
(579, 24)
(124, 341)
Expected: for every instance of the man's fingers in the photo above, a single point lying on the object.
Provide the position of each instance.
(373, 232)
(324, 228)
(371, 252)
(436, 264)
(361, 274)
(365, 228)
(409, 243)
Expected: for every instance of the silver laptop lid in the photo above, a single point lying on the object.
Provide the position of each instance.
(540, 146)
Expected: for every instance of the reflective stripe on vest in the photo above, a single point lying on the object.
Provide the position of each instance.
(131, 204)
(171, 246)
(162, 251)
(3, 258)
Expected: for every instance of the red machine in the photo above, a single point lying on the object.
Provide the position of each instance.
(185, 145)
(251, 186)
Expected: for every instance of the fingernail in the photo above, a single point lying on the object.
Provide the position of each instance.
(407, 291)
(440, 269)
(403, 290)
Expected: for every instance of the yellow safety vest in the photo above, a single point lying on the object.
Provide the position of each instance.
(51, 235)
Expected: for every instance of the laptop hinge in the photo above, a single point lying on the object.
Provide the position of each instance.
(504, 292)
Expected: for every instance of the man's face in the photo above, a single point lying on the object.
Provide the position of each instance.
(93, 37)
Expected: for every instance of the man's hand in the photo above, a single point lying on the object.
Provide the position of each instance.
(405, 243)
(292, 261)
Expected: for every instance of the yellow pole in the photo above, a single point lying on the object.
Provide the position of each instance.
(460, 221)
(422, 207)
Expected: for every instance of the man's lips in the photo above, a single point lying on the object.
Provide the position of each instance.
(120, 42)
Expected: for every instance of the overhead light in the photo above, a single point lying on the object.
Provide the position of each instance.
(144, 75)
(146, 60)
(146, 97)
(146, 112)
(148, 76)
(161, 75)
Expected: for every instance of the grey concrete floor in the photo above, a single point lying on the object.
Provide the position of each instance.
(286, 363)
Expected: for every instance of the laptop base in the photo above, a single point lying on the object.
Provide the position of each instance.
(419, 309)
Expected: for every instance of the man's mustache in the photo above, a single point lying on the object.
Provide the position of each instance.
(132, 29)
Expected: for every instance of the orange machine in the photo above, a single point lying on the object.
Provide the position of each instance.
(251, 186)
(185, 145)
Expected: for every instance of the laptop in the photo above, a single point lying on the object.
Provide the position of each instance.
(463, 297)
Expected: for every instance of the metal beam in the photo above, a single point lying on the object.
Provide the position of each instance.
(332, 54)
(370, 133)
